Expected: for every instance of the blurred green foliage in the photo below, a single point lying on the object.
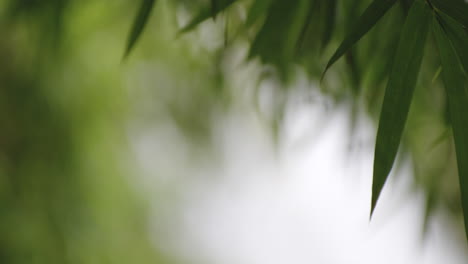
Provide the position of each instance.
(66, 195)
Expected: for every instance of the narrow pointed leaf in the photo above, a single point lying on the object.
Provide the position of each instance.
(436, 75)
(458, 38)
(258, 8)
(376, 10)
(457, 9)
(399, 92)
(205, 13)
(214, 8)
(277, 40)
(139, 24)
(455, 80)
(330, 16)
(306, 39)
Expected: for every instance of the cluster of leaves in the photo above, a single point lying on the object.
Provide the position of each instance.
(287, 32)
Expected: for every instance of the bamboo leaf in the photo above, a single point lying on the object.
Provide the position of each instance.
(398, 94)
(139, 24)
(277, 40)
(214, 8)
(258, 8)
(206, 12)
(458, 37)
(457, 9)
(368, 19)
(330, 15)
(456, 81)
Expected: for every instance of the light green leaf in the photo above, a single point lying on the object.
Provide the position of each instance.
(206, 12)
(455, 80)
(368, 19)
(436, 75)
(399, 92)
(139, 24)
(457, 9)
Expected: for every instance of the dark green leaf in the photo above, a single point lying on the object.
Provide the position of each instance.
(368, 19)
(139, 24)
(457, 9)
(258, 8)
(214, 8)
(308, 36)
(205, 13)
(277, 40)
(330, 16)
(458, 37)
(455, 81)
(405, 5)
(399, 92)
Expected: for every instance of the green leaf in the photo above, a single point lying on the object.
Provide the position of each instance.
(214, 8)
(330, 15)
(308, 37)
(399, 92)
(458, 37)
(368, 19)
(436, 75)
(455, 80)
(258, 8)
(139, 24)
(457, 9)
(277, 40)
(206, 12)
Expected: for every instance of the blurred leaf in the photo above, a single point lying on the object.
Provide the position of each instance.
(258, 8)
(429, 209)
(307, 38)
(398, 94)
(354, 71)
(330, 17)
(405, 5)
(277, 40)
(455, 81)
(368, 19)
(436, 75)
(139, 24)
(206, 12)
(457, 9)
(214, 8)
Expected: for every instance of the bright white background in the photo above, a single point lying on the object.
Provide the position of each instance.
(304, 201)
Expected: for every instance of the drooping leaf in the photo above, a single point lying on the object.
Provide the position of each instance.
(205, 13)
(405, 5)
(368, 19)
(276, 41)
(436, 74)
(139, 24)
(456, 80)
(258, 8)
(399, 92)
(458, 37)
(431, 199)
(457, 9)
(214, 8)
(307, 40)
(330, 17)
